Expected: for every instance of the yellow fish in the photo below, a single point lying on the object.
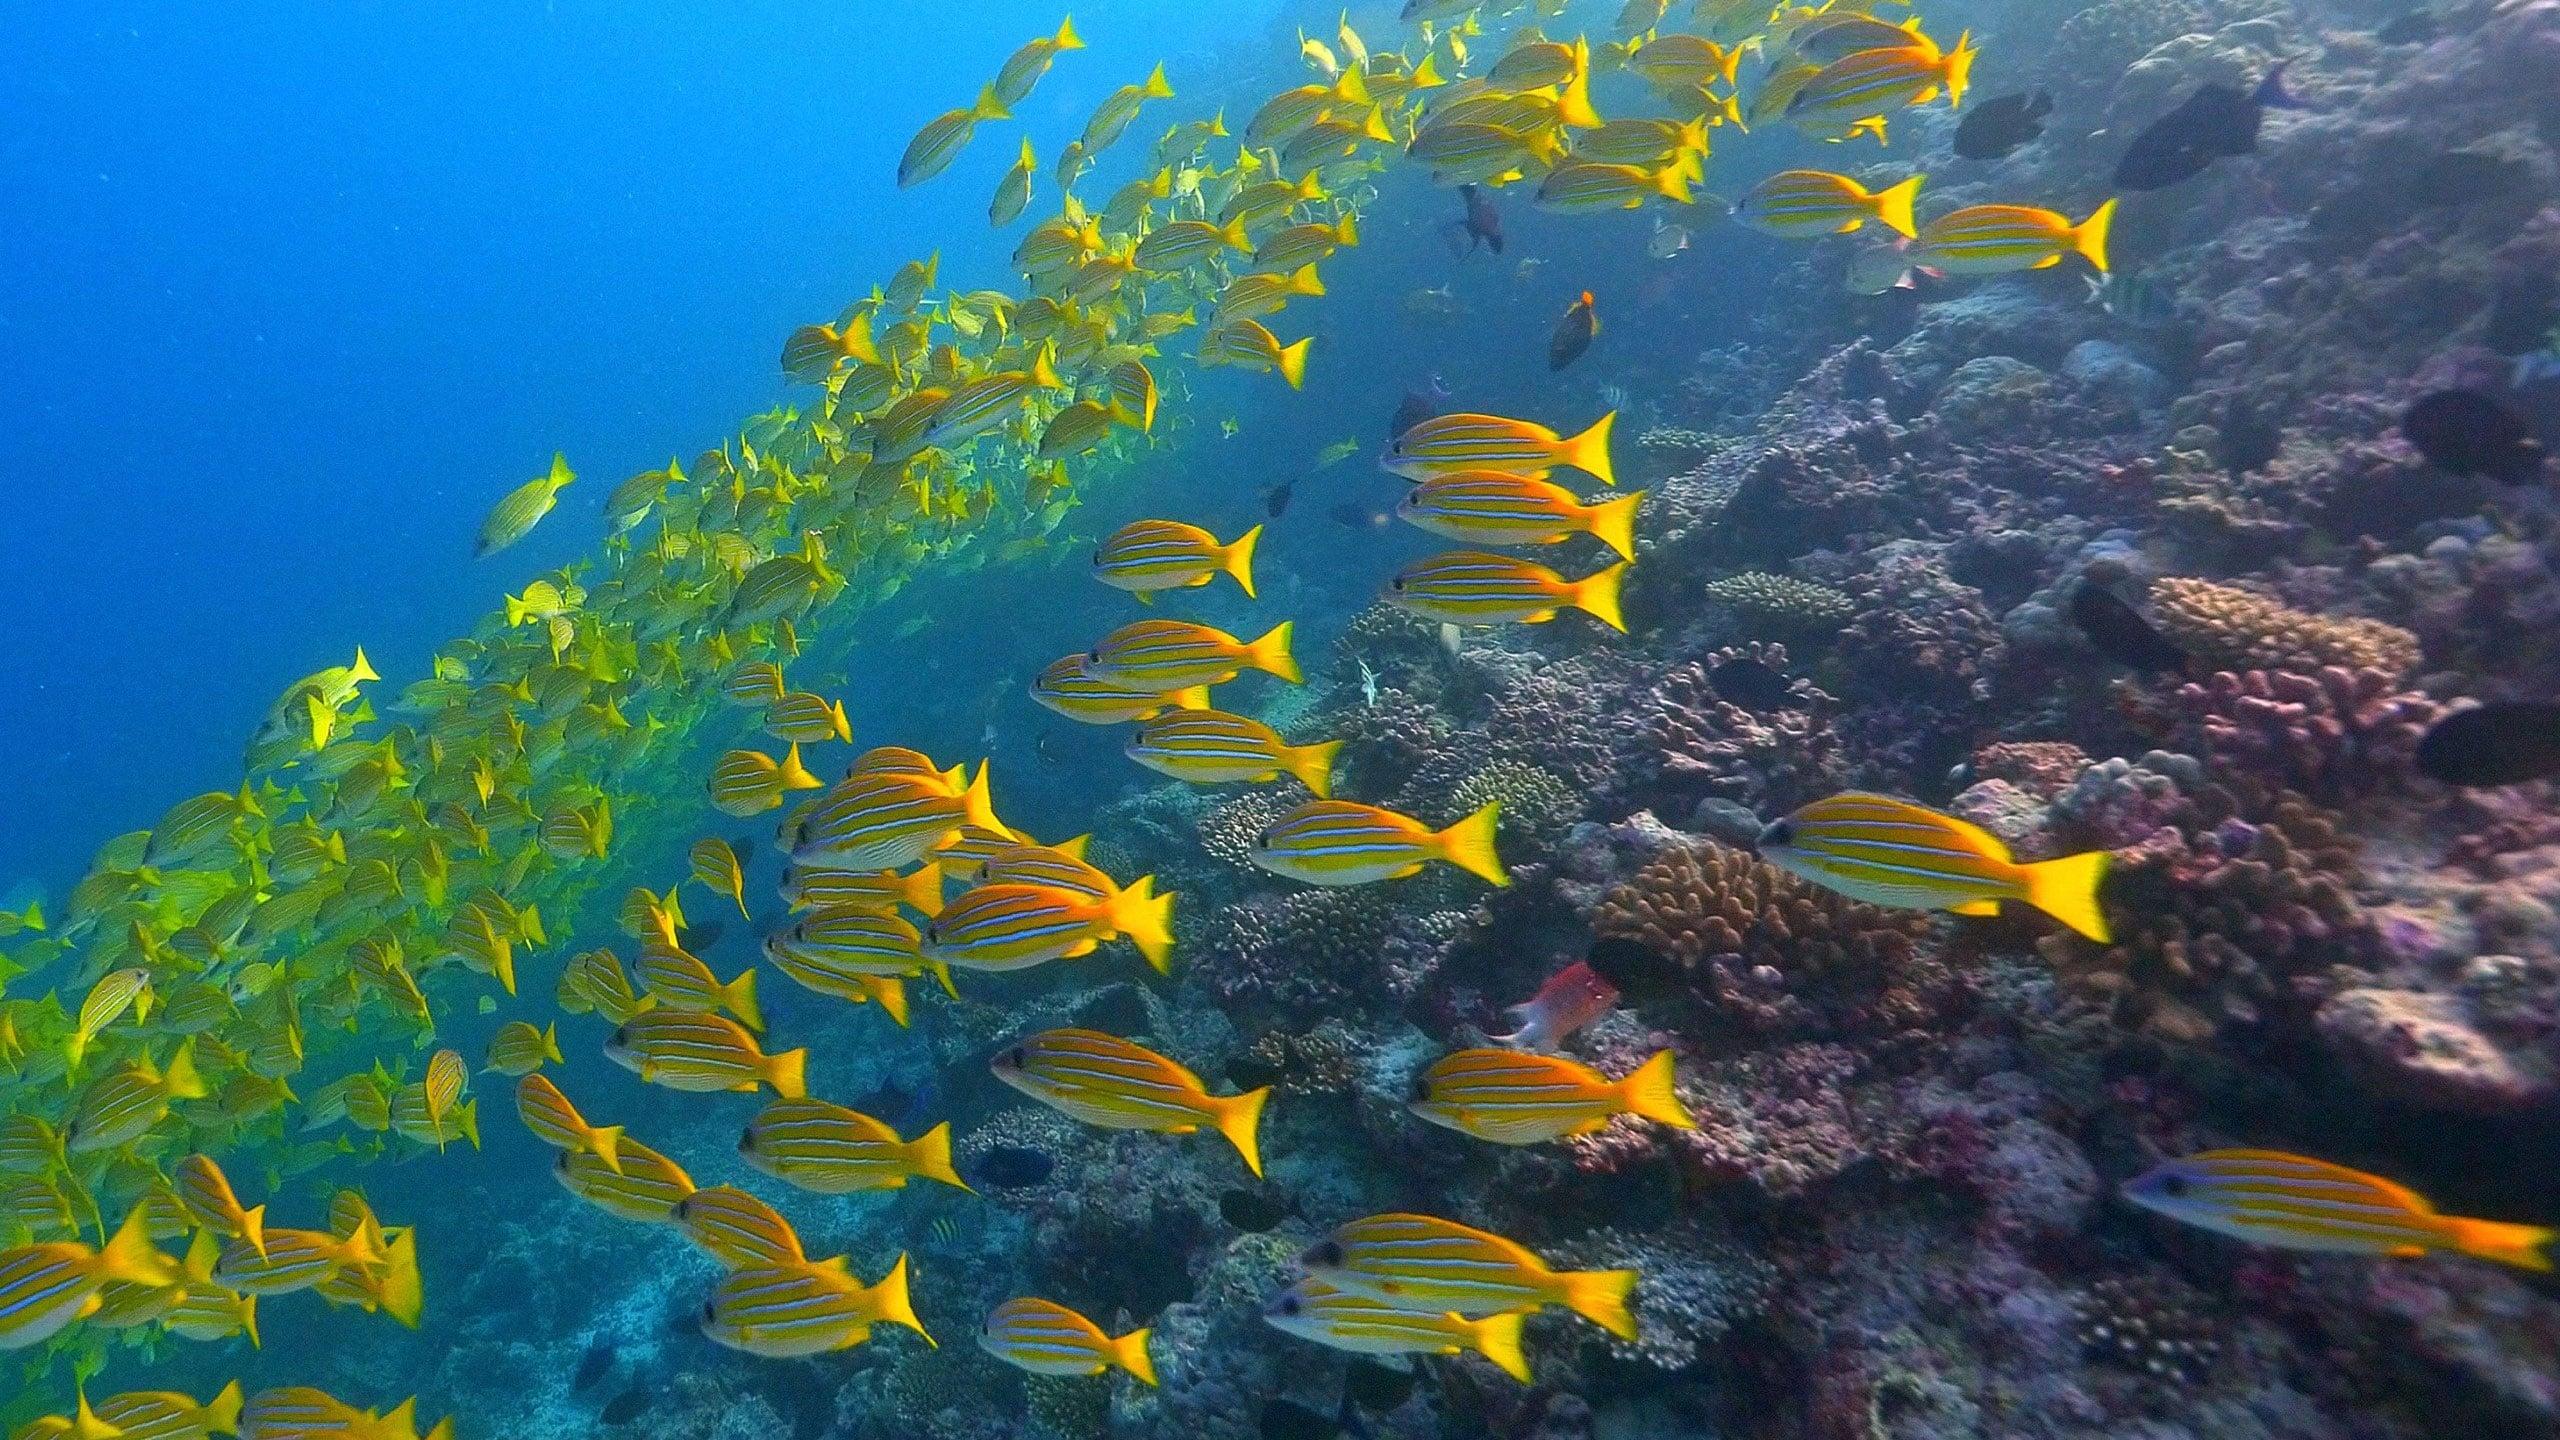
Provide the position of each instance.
(1047, 1338)
(1105, 1080)
(514, 517)
(1343, 842)
(1516, 1097)
(1893, 853)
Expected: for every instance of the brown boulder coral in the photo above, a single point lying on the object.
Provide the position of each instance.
(1765, 949)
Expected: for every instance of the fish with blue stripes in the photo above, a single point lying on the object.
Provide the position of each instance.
(1903, 856)
(886, 820)
(1493, 507)
(1163, 656)
(1517, 1097)
(699, 1051)
(1212, 747)
(1146, 556)
(1003, 927)
(1046, 1338)
(1344, 842)
(1998, 239)
(45, 1288)
(1448, 444)
(1480, 587)
(828, 1149)
(1066, 687)
(1120, 1085)
(2293, 1202)
(1315, 1311)
(788, 1311)
(1422, 1262)
(554, 1121)
(646, 1186)
(737, 1229)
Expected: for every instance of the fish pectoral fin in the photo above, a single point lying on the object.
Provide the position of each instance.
(1975, 907)
(1183, 1130)
(1591, 1127)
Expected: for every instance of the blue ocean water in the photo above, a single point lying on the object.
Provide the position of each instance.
(294, 293)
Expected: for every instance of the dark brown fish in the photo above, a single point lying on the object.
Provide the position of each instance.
(2122, 633)
(1996, 127)
(1480, 225)
(1573, 333)
(2211, 124)
(2505, 742)
(2467, 432)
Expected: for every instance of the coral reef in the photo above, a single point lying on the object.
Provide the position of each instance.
(2233, 629)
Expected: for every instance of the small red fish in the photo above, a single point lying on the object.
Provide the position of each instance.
(1572, 998)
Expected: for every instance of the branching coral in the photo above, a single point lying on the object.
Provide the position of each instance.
(2218, 920)
(1231, 830)
(2238, 630)
(2330, 732)
(1781, 603)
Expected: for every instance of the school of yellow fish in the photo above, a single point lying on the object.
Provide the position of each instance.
(242, 991)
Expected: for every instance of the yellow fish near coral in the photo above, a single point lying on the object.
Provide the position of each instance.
(786, 1311)
(1997, 239)
(1046, 1338)
(1908, 857)
(1343, 842)
(1515, 1097)
(1120, 1085)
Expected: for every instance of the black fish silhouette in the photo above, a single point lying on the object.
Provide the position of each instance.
(2215, 122)
(2122, 633)
(2506, 742)
(1573, 333)
(2470, 433)
(1996, 127)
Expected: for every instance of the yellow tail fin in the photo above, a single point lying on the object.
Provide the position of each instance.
(1067, 38)
(977, 807)
(889, 993)
(921, 891)
(2526, 1247)
(740, 996)
(1195, 698)
(1960, 72)
(2089, 237)
(1293, 362)
(1239, 1118)
(988, 107)
(403, 1298)
(2067, 890)
(222, 1413)
(1271, 653)
(253, 1228)
(1599, 595)
(1613, 523)
(1313, 765)
(1600, 1296)
(788, 1073)
(606, 1142)
(1590, 451)
(1893, 206)
(1237, 560)
(182, 1082)
(1574, 106)
(794, 775)
(1146, 918)
(895, 1306)
(1469, 845)
(929, 1156)
(130, 1256)
(1649, 1092)
(1497, 1338)
(1129, 1352)
(1157, 87)
(362, 670)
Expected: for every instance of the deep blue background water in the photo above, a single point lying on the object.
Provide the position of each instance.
(290, 294)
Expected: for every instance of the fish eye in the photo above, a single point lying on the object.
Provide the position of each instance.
(1420, 1089)
(2173, 1186)
(710, 1312)
(1780, 832)
(747, 1141)
(1397, 584)
(1328, 1253)
(1289, 1305)
(1017, 1057)
(1267, 839)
